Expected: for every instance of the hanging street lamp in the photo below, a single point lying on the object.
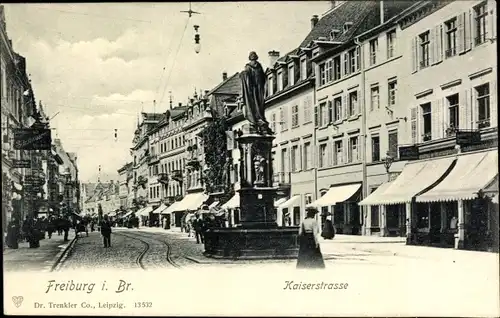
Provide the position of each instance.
(197, 45)
(388, 160)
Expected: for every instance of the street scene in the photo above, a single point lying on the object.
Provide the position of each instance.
(356, 137)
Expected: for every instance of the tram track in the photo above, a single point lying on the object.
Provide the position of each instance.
(140, 237)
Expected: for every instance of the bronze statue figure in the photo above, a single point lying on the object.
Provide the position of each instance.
(253, 81)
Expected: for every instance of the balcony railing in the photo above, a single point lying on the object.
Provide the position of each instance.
(427, 137)
(451, 131)
(483, 123)
(282, 178)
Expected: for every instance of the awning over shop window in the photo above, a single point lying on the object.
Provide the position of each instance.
(233, 203)
(192, 202)
(336, 195)
(293, 201)
(17, 186)
(145, 211)
(213, 205)
(375, 195)
(159, 209)
(472, 173)
(172, 208)
(278, 202)
(414, 178)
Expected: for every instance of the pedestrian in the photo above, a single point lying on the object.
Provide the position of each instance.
(13, 234)
(59, 225)
(50, 227)
(198, 228)
(34, 233)
(106, 231)
(26, 228)
(328, 231)
(309, 249)
(66, 225)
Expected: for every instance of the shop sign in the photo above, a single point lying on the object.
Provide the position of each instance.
(468, 137)
(32, 139)
(408, 152)
(33, 180)
(21, 163)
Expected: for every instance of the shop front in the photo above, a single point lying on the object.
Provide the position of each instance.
(457, 212)
(391, 205)
(288, 212)
(341, 203)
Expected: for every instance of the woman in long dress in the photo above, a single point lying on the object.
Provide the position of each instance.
(309, 250)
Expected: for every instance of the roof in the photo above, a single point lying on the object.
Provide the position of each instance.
(232, 85)
(151, 116)
(177, 111)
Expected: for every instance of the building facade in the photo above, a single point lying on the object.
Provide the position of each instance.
(125, 175)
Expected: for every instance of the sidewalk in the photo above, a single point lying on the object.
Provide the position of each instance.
(36, 259)
(400, 249)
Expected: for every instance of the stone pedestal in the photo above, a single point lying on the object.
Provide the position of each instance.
(259, 236)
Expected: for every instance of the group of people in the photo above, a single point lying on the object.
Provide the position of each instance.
(32, 230)
(199, 223)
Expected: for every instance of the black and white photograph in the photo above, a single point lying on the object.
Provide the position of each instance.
(278, 158)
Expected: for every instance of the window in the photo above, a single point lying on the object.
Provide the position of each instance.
(336, 68)
(353, 60)
(375, 148)
(353, 149)
(338, 108)
(424, 49)
(451, 38)
(453, 117)
(374, 98)
(295, 160)
(338, 152)
(393, 88)
(270, 85)
(373, 51)
(273, 121)
(307, 109)
(393, 144)
(282, 119)
(391, 43)
(353, 103)
(322, 156)
(427, 121)
(280, 81)
(483, 105)
(328, 67)
(480, 19)
(322, 74)
(324, 114)
(295, 116)
(291, 76)
(307, 156)
(303, 69)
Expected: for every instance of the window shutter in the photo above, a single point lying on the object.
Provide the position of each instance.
(414, 124)
(467, 30)
(461, 33)
(492, 22)
(439, 43)
(345, 114)
(445, 116)
(330, 111)
(436, 123)
(296, 71)
(346, 63)
(358, 57)
(493, 103)
(415, 54)
(316, 116)
(329, 155)
(285, 77)
(462, 110)
(345, 150)
(300, 164)
(358, 103)
(432, 46)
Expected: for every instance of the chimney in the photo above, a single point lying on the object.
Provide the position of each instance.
(180, 104)
(381, 12)
(273, 57)
(224, 76)
(314, 21)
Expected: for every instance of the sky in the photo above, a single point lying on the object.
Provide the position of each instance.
(96, 66)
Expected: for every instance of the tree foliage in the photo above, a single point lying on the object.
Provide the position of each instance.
(215, 149)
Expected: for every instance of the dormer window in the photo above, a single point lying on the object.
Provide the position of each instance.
(347, 26)
(333, 34)
(270, 85)
(291, 75)
(280, 81)
(303, 68)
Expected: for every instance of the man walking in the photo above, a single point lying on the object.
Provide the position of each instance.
(198, 228)
(106, 231)
(66, 225)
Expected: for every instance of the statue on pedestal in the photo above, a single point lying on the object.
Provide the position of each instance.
(253, 81)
